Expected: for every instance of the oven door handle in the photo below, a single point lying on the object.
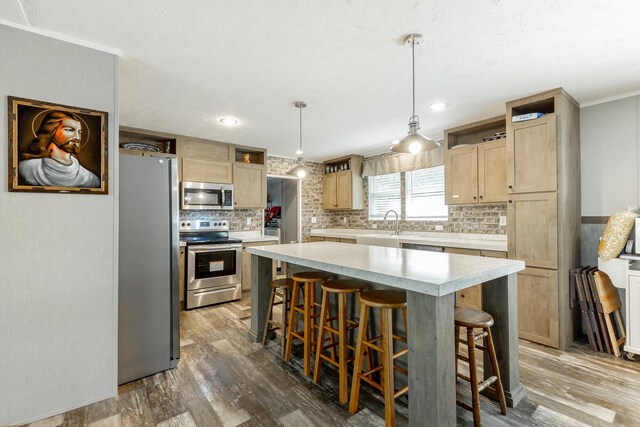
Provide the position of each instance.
(213, 248)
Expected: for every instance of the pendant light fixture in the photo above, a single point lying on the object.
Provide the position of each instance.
(414, 142)
(300, 170)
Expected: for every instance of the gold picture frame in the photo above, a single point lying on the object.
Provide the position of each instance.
(56, 148)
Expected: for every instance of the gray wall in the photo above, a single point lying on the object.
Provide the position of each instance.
(609, 142)
(57, 262)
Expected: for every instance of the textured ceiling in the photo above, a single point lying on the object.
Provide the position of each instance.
(187, 63)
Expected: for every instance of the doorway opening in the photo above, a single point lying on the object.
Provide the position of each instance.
(284, 206)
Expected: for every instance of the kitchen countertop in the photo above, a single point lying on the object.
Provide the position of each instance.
(252, 236)
(490, 242)
(431, 273)
(246, 237)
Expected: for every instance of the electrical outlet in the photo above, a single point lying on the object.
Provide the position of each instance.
(248, 221)
(374, 226)
(439, 228)
(503, 221)
(314, 220)
(344, 219)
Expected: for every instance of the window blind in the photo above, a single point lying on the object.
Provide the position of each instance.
(384, 194)
(425, 194)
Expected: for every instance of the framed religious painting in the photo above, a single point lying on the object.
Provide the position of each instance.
(57, 148)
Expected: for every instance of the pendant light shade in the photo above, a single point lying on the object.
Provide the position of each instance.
(414, 142)
(300, 170)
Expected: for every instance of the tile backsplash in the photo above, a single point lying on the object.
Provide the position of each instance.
(480, 219)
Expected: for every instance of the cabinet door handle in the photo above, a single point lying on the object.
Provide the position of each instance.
(481, 197)
(511, 186)
(474, 197)
(510, 201)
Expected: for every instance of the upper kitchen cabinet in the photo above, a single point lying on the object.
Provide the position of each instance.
(343, 183)
(249, 178)
(531, 150)
(205, 161)
(475, 163)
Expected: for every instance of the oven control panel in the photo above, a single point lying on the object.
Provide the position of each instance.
(204, 225)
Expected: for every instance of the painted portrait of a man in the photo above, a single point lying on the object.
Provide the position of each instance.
(56, 148)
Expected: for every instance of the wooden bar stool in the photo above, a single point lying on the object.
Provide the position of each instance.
(386, 301)
(279, 288)
(472, 319)
(341, 288)
(304, 282)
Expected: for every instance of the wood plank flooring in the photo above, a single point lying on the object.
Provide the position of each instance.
(223, 379)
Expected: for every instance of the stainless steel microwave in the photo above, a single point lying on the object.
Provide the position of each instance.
(206, 196)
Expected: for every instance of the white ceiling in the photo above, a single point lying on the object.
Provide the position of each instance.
(187, 63)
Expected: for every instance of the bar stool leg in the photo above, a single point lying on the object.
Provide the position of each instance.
(342, 347)
(496, 371)
(457, 332)
(321, 332)
(357, 365)
(267, 322)
(368, 352)
(386, 330)
(286, 303)
(294, 301)
(308, 328)
(473, 375)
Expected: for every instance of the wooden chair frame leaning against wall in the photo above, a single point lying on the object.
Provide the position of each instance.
(610, 301)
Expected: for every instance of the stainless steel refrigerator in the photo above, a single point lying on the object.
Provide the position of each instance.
(148, 306)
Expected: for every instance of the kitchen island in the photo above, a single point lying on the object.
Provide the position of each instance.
(430, 280)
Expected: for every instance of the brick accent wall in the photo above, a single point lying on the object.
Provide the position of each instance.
(480, 219)
(477, 219)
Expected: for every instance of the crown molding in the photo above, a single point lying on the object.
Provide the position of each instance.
(61, 37)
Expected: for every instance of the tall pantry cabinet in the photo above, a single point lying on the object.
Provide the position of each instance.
(543, 210)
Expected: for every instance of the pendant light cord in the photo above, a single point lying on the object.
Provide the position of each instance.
(413, 74)
(300, 108)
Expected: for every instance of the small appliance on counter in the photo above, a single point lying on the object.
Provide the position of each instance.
(213, 263)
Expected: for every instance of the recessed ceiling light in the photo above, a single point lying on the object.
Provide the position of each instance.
(228, 121)
(438, 106)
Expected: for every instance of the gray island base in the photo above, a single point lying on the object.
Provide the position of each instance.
(430, 280)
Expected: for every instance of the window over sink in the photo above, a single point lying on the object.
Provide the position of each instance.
(424, 194)
(384, 194)
(422, 200)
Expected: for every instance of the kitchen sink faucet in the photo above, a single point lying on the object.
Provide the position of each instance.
(397, 220)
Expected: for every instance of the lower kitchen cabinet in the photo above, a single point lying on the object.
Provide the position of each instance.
(472, 297)
(246, 263)
(331, 239)
(538, 305)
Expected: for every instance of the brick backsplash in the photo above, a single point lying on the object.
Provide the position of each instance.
(237, 218)
(311, 202)
(481, 219)
(477, 219)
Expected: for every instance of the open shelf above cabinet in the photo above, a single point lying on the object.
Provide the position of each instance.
(475, 133)
(249, 155)
(130, 138)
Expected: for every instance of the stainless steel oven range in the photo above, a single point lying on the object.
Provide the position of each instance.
(213, 263)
